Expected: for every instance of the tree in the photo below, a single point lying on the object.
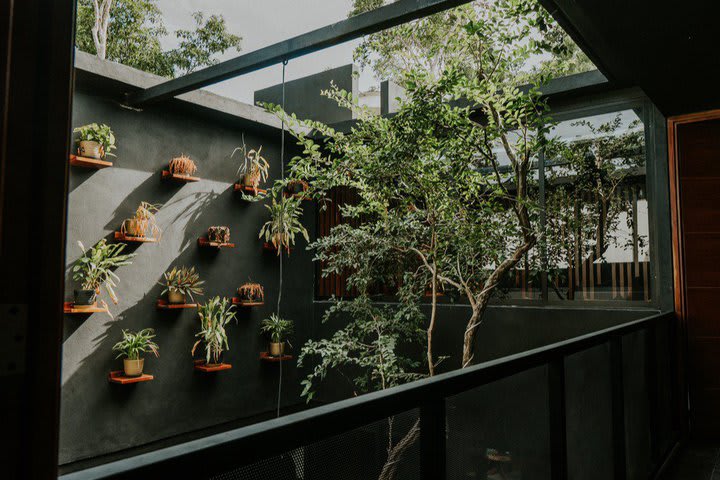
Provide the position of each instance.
(198, 47)
(133, 30)
(438, 41)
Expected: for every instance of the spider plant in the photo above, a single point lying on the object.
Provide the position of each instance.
(132, 346)
(181, 283)
(284, 223)
(278, 329)
(182, 165)
(214, 316)
(143, 222)
(94, 268)
(254, 168)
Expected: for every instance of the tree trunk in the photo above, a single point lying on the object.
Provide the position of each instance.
(393, 461)
(100, 27)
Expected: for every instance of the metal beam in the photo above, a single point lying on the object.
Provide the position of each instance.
(354, 27)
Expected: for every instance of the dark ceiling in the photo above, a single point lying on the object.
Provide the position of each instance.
(669, 49)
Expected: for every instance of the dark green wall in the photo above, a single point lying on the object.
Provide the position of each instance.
(98, 417)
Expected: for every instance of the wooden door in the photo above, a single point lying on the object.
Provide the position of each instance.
(695, 193)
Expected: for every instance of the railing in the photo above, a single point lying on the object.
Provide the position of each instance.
(216, 454)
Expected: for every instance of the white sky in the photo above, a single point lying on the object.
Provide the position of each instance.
(262, 23)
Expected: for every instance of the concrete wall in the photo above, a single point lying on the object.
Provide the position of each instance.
(98, 417)
(303, 97)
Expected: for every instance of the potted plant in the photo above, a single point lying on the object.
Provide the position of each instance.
(95, 269)
(182, 165)
(143, 222)
(181, 283)
(254, 168)
(284, 223)
(132, 346)
(296, 188)
(218, 234)
(250, 292)
(95, 141)
(214, 316)
(278, 329)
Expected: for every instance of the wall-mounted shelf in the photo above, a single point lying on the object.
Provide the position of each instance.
(266, 357)
(204, 242)
(69, 307)
(244, 303)
(119, 377)
(238, 187)
(86, 162)
(127, 238)
(164, 305)
(201, 366)
(166, 175)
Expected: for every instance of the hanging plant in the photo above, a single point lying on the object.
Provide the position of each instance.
(182, 165)
(219, 234)
(254, 168)
(284, 223)
(251, 292)
(143, 222)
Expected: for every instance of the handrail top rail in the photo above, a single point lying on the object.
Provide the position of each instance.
(345, 415)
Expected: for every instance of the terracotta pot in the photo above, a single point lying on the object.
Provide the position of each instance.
(249, 179)
(277, 349)
(134, 228)
(176, 297)
(133, 368)
(90, 149)
(85, 297)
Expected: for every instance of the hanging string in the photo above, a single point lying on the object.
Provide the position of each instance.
(282, 177)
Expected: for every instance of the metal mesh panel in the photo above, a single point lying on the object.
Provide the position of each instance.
(359, 454)
(500, 431)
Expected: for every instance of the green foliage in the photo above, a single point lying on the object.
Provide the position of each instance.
(182, 280)
(97, 133)
(214, 317)
(284, 224)
(134, 34)
(366, 349)
(198, 47)
(95, 268)
(277, 328)
(441, 41)
(134, 344)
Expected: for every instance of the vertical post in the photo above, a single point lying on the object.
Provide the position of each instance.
(543, 226)
(618, 408)
(653, 390)
(432, 440)
(558, 419)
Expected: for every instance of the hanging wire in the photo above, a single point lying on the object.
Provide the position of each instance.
(282, 177)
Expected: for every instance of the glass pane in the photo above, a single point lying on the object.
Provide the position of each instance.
(597, 210)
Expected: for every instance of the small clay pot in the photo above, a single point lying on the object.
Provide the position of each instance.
(133, 368)
(134, 228)
(277, 349)
(176, 297)
(85, 297)
(90, 149)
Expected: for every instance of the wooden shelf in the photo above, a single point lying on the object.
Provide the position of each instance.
(204, 242)
(243, 303)
(266, 357)
(164, 305)
(127, 238)
(248, 190)
(119, 377)
(166, 175)
(201, 366)
(89, 162)
(69, 307)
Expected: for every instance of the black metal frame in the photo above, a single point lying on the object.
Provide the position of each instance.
(223, 452)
